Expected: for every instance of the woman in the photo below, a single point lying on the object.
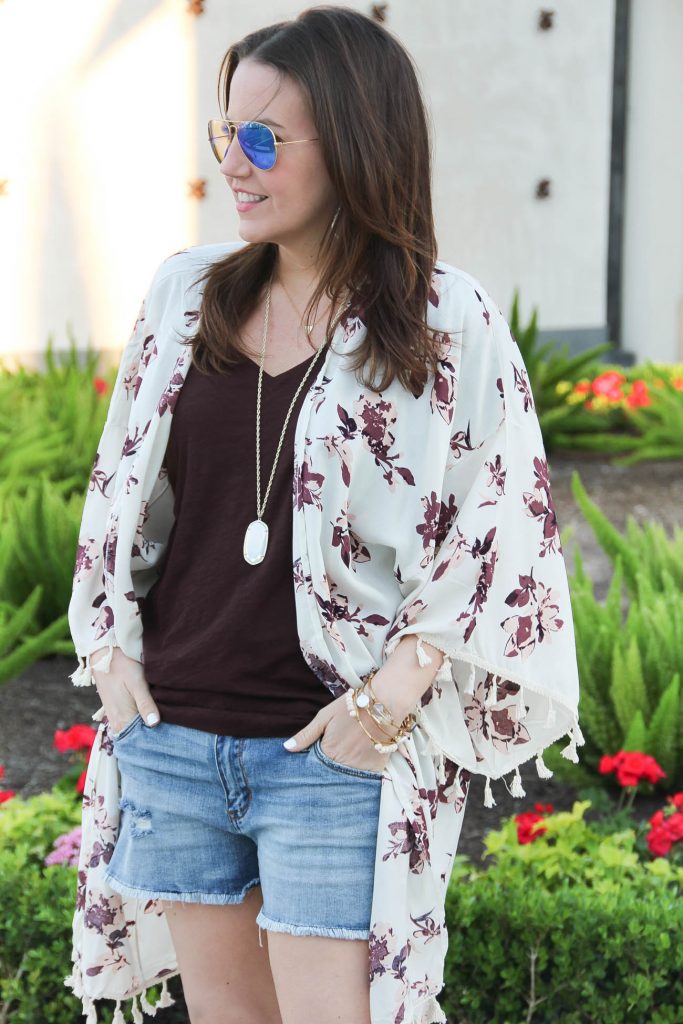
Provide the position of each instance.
(352, 492)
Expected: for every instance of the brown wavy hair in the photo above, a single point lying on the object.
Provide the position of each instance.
(371, 119)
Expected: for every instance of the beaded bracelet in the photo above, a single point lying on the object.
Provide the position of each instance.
(359, 698)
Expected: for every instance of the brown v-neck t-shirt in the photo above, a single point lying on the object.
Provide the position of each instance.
(220, 641)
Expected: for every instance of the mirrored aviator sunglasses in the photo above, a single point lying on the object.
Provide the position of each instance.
(257, 141)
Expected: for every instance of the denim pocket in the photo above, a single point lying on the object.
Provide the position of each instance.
(126, 728)
(345, 769)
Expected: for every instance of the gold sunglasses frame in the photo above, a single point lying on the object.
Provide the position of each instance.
(225, 120)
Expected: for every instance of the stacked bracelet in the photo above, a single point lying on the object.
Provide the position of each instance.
(364, 697)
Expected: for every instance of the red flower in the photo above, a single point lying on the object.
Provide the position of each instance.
(638, 395)
(582, 388)
(80, 785)
(609, 384)
(5, 794)
(100, 385)
(665, 832)
(631, 767)
(676, 801)
(78, 737)
(526, 832)
(541, 808)
(678, 383)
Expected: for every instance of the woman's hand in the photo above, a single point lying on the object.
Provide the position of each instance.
(123, 689)
(343, 739)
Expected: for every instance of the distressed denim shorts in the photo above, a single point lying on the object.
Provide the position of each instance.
(204, 817)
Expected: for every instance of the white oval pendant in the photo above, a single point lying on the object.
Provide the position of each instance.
(255, 542)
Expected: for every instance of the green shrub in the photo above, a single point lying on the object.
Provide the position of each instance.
(572, 927)
(630, 662)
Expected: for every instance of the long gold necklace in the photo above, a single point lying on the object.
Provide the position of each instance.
(309, 326)
(256, 535)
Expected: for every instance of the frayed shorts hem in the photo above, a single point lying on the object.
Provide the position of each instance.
(182, 897)
(263, 921)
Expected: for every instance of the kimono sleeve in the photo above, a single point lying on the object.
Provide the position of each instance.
(488, 579)
(90, 611)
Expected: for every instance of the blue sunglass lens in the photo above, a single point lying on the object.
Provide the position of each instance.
(257, 142)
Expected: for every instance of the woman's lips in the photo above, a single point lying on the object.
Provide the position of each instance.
(242, 207)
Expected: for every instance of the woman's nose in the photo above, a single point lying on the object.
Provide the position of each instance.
(234, 160)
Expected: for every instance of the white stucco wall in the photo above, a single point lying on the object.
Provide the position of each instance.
(653, 224)
(109, 128)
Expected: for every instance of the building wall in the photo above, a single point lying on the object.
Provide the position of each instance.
(108, 170)
(653, 217)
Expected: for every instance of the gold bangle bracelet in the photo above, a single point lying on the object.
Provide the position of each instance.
(389, 735)
(369, 735)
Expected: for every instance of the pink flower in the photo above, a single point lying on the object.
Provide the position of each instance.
(609, 384)
(67, 848)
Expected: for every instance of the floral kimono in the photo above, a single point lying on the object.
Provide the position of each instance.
(428, 515)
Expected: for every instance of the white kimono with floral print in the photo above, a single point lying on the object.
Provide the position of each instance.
(430, 515)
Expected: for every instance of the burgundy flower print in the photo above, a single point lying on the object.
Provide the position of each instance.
(496, 479)
(339, 443)
(307, 485)
(104, 620)
(325, 671)
(172, 389)
(427, 927)
(191, 317)
(485, 312)
(408, 616)
(376, 415)
(525, 631)
(384, 949)
(445, 386)
(98, 477)
(352, 323)
(495, 725)
(86, 557)
(132, 378)
(142, 545)
(438, 519)
(487, 552)
(351, 548)
(446, 791)
(317, 393)
(301, 579)
(410, 837)
(462, 442)
(132, 444)
(336, 608)
(436, 287)
(522, 385)
(540, 506)
(378, 951)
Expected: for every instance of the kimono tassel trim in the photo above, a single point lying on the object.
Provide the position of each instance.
(165, 999)
(516, 788)
(83, 674)
(518, 711)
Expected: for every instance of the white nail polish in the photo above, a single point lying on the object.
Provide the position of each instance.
(290, 744)
(152, 718)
